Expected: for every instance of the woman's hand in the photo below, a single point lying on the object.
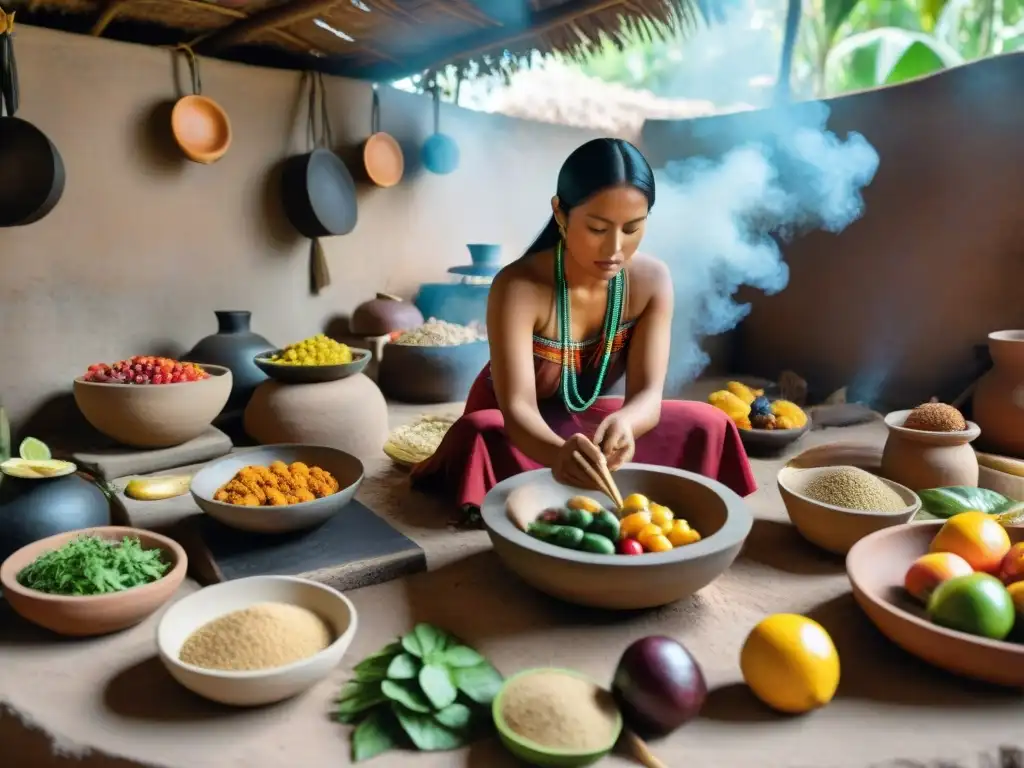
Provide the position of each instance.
(615, 437)
(568, 471)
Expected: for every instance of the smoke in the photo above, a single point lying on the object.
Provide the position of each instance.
(718, 224)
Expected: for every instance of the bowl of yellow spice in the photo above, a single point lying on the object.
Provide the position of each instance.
(277, 488)
(316, 359)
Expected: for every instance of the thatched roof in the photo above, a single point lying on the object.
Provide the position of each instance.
(374, 39)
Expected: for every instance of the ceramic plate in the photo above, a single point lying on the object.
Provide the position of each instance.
(876, 567)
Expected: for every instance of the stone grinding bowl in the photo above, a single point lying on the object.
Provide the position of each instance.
(533, 753)
(91, 615)
(312, 374)
(623, 582)
(422, 374)
(876, 567)
(346, 468)
(265, 686)
(833, 528)
(154, 415)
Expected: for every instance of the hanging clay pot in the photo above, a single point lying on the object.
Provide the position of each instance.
(920, 459)
(998, 404)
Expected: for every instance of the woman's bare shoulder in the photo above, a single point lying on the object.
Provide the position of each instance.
(525, 275)
(648, 277)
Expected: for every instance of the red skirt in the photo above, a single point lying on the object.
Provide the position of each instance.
(477, 454)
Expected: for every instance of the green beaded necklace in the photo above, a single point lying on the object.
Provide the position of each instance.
(570, 389)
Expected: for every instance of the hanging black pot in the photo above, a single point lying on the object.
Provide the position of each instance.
(31, 168)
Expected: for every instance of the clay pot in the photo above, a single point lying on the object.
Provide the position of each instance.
(998, 404)
(383, 315)
(919, 459)
(412, 374)
(234, 346)
(36, 509)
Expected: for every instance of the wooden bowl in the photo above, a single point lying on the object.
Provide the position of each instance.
(201, 128)
(623, 582)
(92, 614)
(154, 415)
(876, 567)
(265, 686)
(312, 374)
(347, 469)
(832, 528)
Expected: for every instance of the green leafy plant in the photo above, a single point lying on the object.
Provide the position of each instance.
(427, 690)
(89, 565)
(943, 503)
(886, 56)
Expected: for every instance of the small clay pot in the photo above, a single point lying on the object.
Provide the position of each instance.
(920, 459)
(998, 402)
(383, 315)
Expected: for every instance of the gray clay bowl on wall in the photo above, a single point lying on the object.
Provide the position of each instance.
(154, 415)
(346, 468)
(876, 567)
(623, 582)
(312, 374)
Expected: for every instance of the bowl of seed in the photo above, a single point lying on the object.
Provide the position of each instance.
(257, 640)
(835, 507)
(556, 717)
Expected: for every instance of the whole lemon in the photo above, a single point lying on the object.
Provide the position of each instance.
(790, 663)
(976, 537)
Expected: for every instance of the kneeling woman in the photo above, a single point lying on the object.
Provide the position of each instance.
(580, 310)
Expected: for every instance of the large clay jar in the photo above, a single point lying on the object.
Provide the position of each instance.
(349, 414)
(35, 509)
(413, 374)
(920, 459)
(383, 315)
(234, 346)
(998, 404)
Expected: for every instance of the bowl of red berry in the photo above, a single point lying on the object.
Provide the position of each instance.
(152, 402)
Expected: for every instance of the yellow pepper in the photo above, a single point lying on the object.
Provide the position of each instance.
(661, 516)
(682, 534)
(658, 543)
(728, 403)
(631, 525)
(648, 532)
(744, 423)
(792, 412)
(742, 391)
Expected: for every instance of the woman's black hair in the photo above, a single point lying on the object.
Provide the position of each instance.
(592, 167)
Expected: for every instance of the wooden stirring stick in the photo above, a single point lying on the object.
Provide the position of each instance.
(602, 479)
(638, 750)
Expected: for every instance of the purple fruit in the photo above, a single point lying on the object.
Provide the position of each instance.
(658, 685)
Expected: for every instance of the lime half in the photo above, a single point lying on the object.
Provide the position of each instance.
(33, 449)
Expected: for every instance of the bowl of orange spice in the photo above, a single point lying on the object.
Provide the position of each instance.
(277, 488)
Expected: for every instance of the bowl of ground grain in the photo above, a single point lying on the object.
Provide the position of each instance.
(556, 717)
(930, 447)
(241, 489)
(257, 640)
(835, 507)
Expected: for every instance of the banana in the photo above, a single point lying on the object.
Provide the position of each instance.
(1010, 466)
(157, 488)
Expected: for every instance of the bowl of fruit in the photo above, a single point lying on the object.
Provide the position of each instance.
(152, 402)
(316, 359)
(764, 424)
(674, 534)
(949, 592)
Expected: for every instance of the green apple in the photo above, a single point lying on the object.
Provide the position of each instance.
(977, 604)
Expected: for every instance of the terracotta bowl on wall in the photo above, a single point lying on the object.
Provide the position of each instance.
(154, 415)
(93, 614)
(832, 528)
(877, 566)
(623, 582)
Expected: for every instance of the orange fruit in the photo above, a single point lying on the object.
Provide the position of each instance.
(976, 537)
(1016, 591)
(930, 570)
(1012, 568)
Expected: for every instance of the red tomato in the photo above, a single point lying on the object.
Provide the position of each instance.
(630, 547)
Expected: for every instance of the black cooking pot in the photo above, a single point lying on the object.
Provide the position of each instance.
(31, 168)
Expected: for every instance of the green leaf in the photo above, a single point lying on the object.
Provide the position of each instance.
(360, 701)
(430, 639)
(459, 656)
(480, 683)
(836, 12)
(456, 717)
(406, 693)
(403, 667)
(411, 644)
(375, 666)
(943, 503)
(885, 56)
(436, 683)
(425, 732)
(375, 735)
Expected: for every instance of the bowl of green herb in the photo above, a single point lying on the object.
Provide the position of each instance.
(93, 581)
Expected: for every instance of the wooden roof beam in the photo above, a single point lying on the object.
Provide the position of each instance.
(272, 18)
